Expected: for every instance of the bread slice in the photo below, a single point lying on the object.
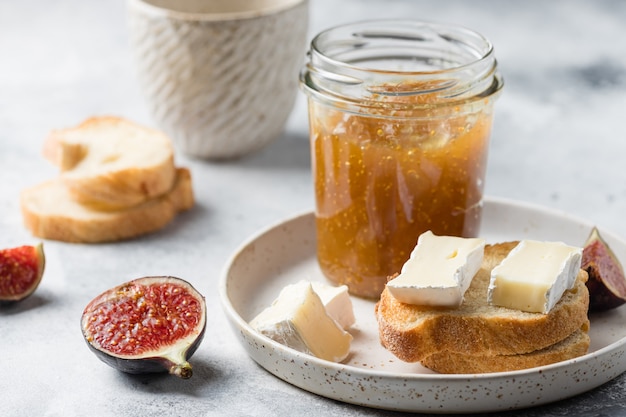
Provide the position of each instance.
(572, 346)
(413, 333)
(111, 163)
(50, 212)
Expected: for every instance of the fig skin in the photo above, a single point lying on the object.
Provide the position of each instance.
(606, 283)
(181, 369)
(171, 357)
(18, 266)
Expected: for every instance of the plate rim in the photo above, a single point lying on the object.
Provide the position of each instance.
(240, 324)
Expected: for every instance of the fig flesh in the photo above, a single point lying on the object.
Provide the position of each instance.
(151, 324)
(606, 283)
(21, 270)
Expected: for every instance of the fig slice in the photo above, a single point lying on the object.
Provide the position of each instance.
(21, 270)
(150, 324)
(606, 283)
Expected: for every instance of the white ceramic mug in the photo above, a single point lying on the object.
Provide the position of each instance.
(220, 76)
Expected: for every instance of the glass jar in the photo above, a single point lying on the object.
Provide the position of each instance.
(400, 115)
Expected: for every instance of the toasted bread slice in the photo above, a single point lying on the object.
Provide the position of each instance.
(571, 347)
(50, 212)
(111, 163)
(413, 333)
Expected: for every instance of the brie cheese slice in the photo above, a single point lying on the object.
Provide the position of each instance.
(439, 270)
(534, 276)
(298, 319)
(337, 302)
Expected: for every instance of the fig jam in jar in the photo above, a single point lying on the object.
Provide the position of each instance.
(400, 115)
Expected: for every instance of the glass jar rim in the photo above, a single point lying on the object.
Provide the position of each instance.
(449, 60)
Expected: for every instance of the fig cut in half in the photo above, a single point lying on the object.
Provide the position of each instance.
(606, 283)
(151, 324)
(21, 269)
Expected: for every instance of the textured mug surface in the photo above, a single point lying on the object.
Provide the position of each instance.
(220, 77)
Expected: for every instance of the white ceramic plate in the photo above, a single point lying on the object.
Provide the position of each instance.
(371, 376)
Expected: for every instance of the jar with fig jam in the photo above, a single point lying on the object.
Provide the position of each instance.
(400, 115)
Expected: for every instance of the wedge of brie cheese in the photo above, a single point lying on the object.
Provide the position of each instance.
(534, 276)
(439, 270)
(337, 302)
(298, 319)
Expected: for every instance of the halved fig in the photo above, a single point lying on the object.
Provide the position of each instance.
(606, 284)
(21, 269)
(151, 324)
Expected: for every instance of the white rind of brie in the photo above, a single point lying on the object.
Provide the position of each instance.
(534, 276)
(298, 319)
(439, 270)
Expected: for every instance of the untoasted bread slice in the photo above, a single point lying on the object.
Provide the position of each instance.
(413, 333)
(111, 163)
(571, 347)
(49, 212)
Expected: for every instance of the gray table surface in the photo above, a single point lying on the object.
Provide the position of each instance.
(558, 141)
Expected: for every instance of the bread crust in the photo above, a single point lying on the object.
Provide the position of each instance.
(50, 212)
(413, 333)
(573, 346)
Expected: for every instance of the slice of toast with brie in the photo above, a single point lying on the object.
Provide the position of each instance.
(489, 337)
